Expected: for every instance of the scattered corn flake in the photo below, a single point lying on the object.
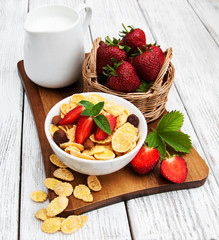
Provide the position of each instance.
(57, 206)
(63, 189)
(63, 174)
(121, 120)
(56, 161)
(41, 214)
(83, 220)
(128, 128)
(83, 192)
(51, 225)
(106, 155)
(122, 141)
(51, 182)
(39, 196)
(81, 155)
(52, 129)
(71, 224)
(93, 183)
(71, 133)
(105, 141)
(76, 98)
(95, 98)
(61, 219)
(114, 109)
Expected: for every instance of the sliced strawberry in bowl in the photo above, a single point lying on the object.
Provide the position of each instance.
(145, 160)
(174, 169)
(84, 128)
(72, 116)
(100, 134)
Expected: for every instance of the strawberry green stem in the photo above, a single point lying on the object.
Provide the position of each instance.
(168, 154)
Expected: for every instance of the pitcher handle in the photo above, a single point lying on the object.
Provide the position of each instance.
(87, 19)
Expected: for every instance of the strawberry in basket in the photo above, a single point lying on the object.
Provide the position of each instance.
(122, 77)
(108, 50)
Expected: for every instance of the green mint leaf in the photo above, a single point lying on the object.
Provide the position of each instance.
(171, 121)
(87, 112)
(97, 108)
(155, 141)
(178, 140)
(86, 104)
(103, 123)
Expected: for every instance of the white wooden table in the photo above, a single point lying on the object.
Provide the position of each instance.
(191, 27)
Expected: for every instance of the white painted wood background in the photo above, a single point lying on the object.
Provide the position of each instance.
(191, 28)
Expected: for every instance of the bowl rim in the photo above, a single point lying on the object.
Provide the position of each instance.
(72, 157)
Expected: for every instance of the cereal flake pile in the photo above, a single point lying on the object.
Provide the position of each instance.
(52, 223)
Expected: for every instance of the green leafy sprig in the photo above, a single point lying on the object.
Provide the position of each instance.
(168, 132)
(94, 110)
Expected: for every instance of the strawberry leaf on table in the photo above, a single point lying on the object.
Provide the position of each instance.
(178, 140)
(155, 141)
(103, 123)
(172, 121)
(167, 132)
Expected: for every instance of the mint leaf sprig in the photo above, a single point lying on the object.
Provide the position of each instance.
(94, 110)
(167, 132)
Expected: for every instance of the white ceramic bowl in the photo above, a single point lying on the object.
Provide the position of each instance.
(97, 167)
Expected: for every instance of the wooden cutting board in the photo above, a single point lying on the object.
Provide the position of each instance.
(119, 186)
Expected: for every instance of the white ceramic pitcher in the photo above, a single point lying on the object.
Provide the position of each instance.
(53, 46)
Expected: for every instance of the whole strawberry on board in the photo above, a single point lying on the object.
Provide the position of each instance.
(158, 51)
(108, 50)
(146, 160)
(134, 38)
(122, 77)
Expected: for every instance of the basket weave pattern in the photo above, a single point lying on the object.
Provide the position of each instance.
(152, 103)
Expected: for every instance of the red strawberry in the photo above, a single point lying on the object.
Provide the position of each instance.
(108, 50)
(147, 66)
(145, 160)
(123, 77)
(174, 169)
(135, 38)
(72, 116)
(100, 134)
(157, 51)
(84, 128)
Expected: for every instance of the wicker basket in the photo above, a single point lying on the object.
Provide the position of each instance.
(152, 103)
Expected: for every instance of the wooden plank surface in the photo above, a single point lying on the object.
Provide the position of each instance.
(11, 102)
(187, 26)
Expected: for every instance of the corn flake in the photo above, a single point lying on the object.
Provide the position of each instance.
(51, 225)
(57, 206)
(83, 220)
(114, 109)
(129, 128)
(41, 214)
(81, 155)
(76, 98)
(72, 148)
(83, 192)
(63, 189)
(71, 133)
(95, 98)
(106, 155)
(122, 142)
(121, 120)
(63, 174)
(52, 129)
(93, 183)
(105, 141)
(56, 161)
(39, 196)
(51, 182)
(71, 224)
